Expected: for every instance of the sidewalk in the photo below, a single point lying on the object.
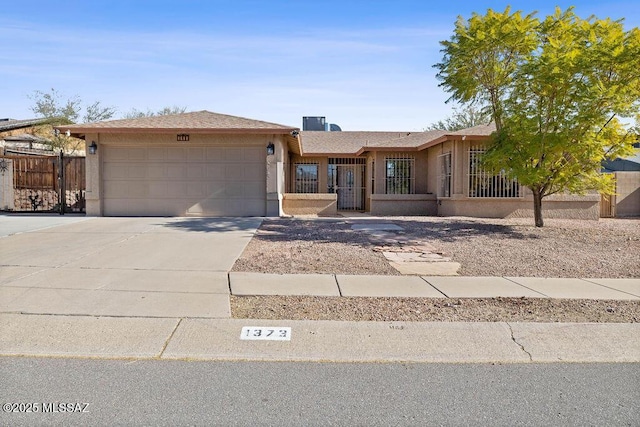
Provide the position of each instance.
(432, 287)
(178, 322)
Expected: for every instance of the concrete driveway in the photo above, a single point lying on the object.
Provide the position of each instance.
(135, 267)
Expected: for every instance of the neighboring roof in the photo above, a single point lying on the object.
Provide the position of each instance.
(12, 124)
(25, 137)
(628, 164)
(194, 122)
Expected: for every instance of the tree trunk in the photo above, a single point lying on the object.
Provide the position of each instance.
(537, 208)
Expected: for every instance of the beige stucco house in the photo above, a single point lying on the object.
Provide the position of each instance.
(209, 164)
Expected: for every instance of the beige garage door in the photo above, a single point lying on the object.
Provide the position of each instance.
(184, 181)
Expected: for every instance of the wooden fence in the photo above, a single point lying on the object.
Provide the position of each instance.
(37, 183)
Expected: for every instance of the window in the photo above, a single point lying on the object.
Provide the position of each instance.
(400, 174)
(484, 184)
(444, 175)
(306, 177)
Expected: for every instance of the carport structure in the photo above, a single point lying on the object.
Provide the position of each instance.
(190, 164)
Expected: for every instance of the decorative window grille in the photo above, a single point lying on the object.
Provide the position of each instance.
(346, 178)
(485, 184)
(400, 174)
(445, 175)
(305, 177)
(372, 171)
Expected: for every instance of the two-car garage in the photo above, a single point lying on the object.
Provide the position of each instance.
(189, 164)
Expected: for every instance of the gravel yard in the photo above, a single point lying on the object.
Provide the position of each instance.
(484, 247)
(609, 248)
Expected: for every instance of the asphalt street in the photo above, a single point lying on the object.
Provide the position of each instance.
(175, 393)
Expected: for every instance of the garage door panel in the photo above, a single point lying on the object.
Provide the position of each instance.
(234, 172)
(177, 171)
(177, 189)
(196, 190)
(252, 191)
(157, 171)
(233, 155)
(157, 189)
(215, 172)
(176, 181)
(254, 172)
(215, 154)
(158, 154)
(254, 155)
(196, 171)
(195, 154)
(176, 154)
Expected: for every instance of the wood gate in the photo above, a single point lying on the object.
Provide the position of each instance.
(40, 184)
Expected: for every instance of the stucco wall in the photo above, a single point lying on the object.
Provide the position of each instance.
(570, 207)
(628, 194)
(403, 204)
(6, 187)
(310, 204)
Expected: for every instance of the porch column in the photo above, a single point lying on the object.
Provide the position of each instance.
(93, 164)
(275, 178)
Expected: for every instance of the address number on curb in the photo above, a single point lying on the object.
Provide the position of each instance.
(266, 333)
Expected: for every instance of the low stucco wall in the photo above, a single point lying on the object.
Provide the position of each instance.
(628, 194)
(310, 204)
(563, 206)
(403, 204)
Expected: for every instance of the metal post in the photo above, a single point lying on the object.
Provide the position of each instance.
(61, 184)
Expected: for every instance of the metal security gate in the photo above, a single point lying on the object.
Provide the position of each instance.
(346, 178)
(41, 184)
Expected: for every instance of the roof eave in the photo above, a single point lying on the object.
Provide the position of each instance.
(81, 131)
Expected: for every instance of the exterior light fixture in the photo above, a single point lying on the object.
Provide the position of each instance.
(93, 148)
(271, 149)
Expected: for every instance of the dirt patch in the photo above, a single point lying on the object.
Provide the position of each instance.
(434, 310)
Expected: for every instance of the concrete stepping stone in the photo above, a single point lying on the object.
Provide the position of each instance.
(427, 268)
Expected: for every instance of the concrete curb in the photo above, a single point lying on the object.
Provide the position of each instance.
(331, 341)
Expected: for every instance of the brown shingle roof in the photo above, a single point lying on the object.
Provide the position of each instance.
(480, 130)
(195, 122)
(355, 143)
(346, 142)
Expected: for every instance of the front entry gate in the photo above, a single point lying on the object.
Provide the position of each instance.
(42, 184)
(347, 179)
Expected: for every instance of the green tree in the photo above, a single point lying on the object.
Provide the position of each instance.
(58, 111)
(466, 117)
(51, 105)
(558, 90)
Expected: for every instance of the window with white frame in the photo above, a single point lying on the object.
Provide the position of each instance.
(400, 174)
(444, 175)
(305, 178)
(485, 184)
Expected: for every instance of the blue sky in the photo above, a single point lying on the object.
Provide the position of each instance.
(365, 65)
